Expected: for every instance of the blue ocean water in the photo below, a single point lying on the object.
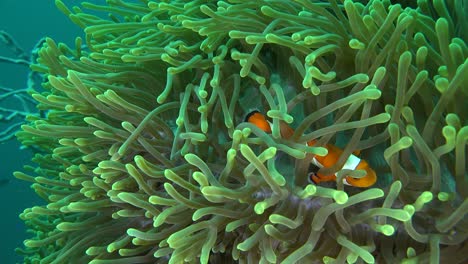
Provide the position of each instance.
(26, 21)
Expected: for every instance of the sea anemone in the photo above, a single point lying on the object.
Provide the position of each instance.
(144, 155)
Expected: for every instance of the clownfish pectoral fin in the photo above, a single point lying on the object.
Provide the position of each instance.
(259, 120)
(312, 177)
(318, 178)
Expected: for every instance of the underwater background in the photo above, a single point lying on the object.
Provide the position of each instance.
(27, 22)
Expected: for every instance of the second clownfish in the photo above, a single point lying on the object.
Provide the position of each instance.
(352, 163)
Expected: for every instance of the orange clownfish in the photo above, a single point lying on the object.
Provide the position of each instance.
(352, 163)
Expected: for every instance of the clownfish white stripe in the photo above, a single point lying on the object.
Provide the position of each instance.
(351, 164)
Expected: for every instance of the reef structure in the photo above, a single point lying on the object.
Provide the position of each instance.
(145, 156)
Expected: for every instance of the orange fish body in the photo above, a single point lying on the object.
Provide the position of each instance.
(352, 163)
(258, 120)
(327, 161)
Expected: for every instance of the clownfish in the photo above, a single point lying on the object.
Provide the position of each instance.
(352, 163)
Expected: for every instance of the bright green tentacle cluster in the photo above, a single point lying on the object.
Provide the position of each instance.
(144, 155)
